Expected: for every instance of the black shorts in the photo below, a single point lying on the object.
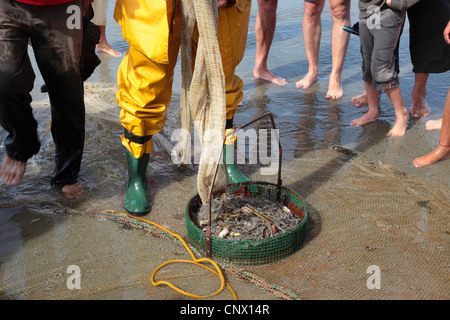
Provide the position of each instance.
(429, 51)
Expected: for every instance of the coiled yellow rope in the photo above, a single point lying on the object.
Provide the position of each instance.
(196, 261)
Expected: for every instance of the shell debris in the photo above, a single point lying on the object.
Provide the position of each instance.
(241, 217)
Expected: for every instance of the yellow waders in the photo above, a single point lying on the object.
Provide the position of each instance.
(145, 76)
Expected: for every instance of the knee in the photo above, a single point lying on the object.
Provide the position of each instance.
(340, 11)
(313, 10)
(267, 5)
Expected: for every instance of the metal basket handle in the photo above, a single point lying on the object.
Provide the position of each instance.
(210, 193)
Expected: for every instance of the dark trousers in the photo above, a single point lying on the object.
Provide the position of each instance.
(57, 49)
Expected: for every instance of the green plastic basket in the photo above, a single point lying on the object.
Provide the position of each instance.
(258, 251)
(244, 251)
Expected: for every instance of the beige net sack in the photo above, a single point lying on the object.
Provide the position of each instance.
(203, 91)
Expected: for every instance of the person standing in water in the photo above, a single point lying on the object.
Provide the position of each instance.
(429, 52)
(100, 7)
(145, 79)
(380, 26)
(57, 50)
(312, 31)
(264, 30)
(442, 151)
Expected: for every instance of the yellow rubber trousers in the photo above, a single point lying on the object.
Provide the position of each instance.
(145, 75)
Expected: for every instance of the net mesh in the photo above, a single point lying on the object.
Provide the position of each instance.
(203, 90)
(362, 212)
(252, 252)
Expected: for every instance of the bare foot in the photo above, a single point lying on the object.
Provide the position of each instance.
(399, 127)
(335, 90)
(12, 171)
(433, 124)
(360, 100)
(108, 50)
(440, 153)
(72, 191)
(419, 105)
(368, 117)
(307, 81)
(264, 74)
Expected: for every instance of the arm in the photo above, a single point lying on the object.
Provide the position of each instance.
(447, 33)
(401, 5)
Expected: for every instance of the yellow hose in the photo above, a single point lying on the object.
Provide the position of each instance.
(195, 261)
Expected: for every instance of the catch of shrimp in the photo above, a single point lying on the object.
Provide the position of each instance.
(240, 217)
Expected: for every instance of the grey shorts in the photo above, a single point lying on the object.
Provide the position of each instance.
(379, 34)
(429, 51)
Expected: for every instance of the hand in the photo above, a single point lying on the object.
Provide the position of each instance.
(447, 33)
(225, 3)
(388, 2)
(85, 6)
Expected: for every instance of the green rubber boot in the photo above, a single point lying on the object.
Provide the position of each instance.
(234, 175)
(136, 202)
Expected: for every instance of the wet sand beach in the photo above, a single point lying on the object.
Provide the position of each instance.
(343, 239)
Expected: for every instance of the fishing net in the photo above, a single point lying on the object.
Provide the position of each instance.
(203, 90)
(362, 212)
(284, 218)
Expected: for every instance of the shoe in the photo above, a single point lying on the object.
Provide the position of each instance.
(136, 202)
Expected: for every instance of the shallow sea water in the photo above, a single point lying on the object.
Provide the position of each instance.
(305, 118)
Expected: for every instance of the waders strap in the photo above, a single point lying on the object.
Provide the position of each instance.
(134, 138)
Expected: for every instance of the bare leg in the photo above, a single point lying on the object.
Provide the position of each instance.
(264, 30)
(443, 149)
(372, 114)
(401, 121)
(103, 45)
(360, 100)
(12, 171)
(340, 12)
(433, 124)
(419, 106)
(312, 31)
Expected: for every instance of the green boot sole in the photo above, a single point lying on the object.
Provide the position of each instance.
(135, 201)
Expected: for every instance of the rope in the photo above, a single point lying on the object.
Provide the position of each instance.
(196, 261)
